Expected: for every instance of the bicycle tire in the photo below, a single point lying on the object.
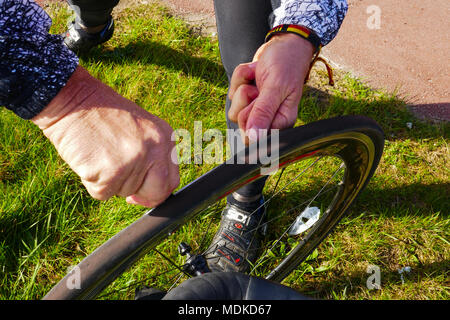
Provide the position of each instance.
(357, 140)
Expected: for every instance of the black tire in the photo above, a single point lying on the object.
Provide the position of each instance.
(357, 140)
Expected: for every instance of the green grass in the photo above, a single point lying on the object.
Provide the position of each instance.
(48, 222)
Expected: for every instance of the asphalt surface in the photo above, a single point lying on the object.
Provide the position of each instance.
(409, 53)
(399, 46)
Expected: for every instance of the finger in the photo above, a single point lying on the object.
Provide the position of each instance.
(136, 178)
(242, 74)
(285, 117)
(134, 199)
(263, 112)
(98, 191)
(174, 174)
(242, 122)
(245, 94)
(132, 183)
(156, 187)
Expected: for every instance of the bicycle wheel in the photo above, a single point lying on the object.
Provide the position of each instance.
(350, 145)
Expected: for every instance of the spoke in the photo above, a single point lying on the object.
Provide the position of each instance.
(334, 175)
(180, 275)
(287, 229)
(262, 216)
(290, 210)
(175, 267)
(278, 181)
(286, 185)
(136, 283)
(273, 195)
(209, 226)
(172, 263)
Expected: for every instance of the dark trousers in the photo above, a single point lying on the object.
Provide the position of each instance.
(241, 27)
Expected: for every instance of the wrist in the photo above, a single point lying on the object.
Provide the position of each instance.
(78, 88)
(296, 43)
(299, 31)
(308, 53)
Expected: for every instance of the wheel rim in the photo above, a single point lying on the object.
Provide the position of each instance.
(342, 197)
(355, 149)
(353, 181)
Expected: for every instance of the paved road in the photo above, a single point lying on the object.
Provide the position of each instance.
(408, 53)
(410, 50)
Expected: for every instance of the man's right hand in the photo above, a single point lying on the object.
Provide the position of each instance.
(116, 147)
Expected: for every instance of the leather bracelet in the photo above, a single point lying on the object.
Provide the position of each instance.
(301, 31)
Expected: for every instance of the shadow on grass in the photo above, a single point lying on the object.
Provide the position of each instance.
(391, 114)
(414, 199)
(357, 281)
(151, 52)
(50, 215)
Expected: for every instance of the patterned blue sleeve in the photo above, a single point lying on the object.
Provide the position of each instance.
(324, 17)
(34, 65)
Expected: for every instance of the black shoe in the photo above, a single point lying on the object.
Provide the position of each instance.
(80, 41)
(235, 247)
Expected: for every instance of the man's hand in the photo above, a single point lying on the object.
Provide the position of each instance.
(116, 147)
(265, 93)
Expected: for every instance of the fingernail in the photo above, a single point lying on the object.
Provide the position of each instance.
(131, 200)
(137, 201)
(252, 65)
(252, 134)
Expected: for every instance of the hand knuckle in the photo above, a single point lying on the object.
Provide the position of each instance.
(262, 115)
(99, 192)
